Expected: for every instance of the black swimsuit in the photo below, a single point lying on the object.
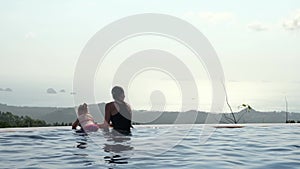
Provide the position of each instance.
(122, 120)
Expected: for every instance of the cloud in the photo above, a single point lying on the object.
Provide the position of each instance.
(214, 17)
(6, 90)
(257, 26)
(51, 91)
(293, 22)
(30, 35)
(62, 91)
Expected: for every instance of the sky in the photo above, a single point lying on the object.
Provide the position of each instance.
(257, 43)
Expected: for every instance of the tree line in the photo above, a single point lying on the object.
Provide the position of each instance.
(7, 119)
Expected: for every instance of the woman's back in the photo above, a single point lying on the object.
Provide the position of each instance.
(122, 119)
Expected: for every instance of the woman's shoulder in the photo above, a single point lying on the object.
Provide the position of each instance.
(128, 105)
(110, 105)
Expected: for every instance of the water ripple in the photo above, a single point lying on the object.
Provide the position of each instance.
(253, 146)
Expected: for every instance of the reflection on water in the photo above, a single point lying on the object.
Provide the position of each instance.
(81, 145)
(117, 145)
(82, 141)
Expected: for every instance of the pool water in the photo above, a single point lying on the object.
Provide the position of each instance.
(153, 146)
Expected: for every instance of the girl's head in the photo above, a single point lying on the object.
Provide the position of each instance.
(118, 93)
(82, 109)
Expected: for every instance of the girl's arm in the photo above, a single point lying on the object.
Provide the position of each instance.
(75, 124)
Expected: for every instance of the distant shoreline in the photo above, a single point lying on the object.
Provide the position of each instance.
(14, 129)
(58, 107)
(68, 114)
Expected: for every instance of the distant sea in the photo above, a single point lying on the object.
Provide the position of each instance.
(262, 96)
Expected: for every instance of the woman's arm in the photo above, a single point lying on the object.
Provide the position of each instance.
(128, 107)
(106, 122)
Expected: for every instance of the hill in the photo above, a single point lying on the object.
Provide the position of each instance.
(68, 115)
(48, 114)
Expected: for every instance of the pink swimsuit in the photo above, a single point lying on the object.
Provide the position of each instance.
(87, 123)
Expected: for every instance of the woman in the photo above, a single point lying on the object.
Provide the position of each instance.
(118, 112)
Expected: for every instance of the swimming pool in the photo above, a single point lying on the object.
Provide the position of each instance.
(153, 146)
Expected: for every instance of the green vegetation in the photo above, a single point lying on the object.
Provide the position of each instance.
(10, 120)
(233, 119)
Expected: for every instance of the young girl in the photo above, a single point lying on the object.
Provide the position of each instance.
(85, 120)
